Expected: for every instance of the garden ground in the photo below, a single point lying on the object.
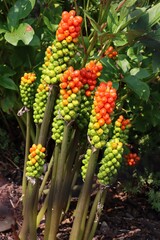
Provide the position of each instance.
(124, 216)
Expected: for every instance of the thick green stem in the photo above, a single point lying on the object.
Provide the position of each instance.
(52, 191)
(78, 227)
(24, 180)
(46, 176)
(47, 115)
(33, 195)
(43, 210)
(57, 203)
(95, 214)
(28, 211)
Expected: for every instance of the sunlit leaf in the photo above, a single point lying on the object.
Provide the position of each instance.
(24, 33)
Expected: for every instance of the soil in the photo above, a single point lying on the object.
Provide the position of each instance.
(123, 217)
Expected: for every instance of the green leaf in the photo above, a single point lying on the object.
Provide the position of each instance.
(3, 27)
(140, 73)
(93, 22)
(52, 27)
(20, 10)
(24, 33)
(123, 63)
(8, 102)
(132, 17)
(156, 62)
(109, 64)
(112, 20)
(137, 86)
(149, 19)
(5, 70)
(8, 83)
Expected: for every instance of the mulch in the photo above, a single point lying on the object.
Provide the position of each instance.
(124, 216)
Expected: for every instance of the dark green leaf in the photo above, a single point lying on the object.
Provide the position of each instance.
(8, 83)
(24, 33)
(20, 10)
(149, 19)
(52, 27)
(5, 70)
(140, 73)
(8, 102)
(109, 64)
(93, 22)
(137, 86)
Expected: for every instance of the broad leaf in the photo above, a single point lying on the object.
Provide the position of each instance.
(52, 27)
(123, 63)
(8, 101)
(140, 73)
(149, 19)
(24, 33)
(137, 86)
(5, 70)
(20, 10)
(8, 83)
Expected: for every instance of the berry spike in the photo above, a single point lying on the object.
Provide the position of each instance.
(69, 27)
(111, 161)
(35, 163)
(40, 102)
(102, 108)
(28, 89)
(89, 75)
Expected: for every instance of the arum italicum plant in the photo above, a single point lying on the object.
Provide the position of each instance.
(74, 106)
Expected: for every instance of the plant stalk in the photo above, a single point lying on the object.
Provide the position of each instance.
(77, 228)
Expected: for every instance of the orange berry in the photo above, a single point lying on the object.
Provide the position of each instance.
(101, 121)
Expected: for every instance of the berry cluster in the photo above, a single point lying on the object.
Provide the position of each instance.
(57, 58)
(35, 161)
(27, 89)
(132, 159)
(111, 161)
(111, 53)
(58, 122)
(85, 162)
(68, 104)
(70, 91)
(89, 74)
(100, 119)
(69, 27)
(121, 128)
(40, 102)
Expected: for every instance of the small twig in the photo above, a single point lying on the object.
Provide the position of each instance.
(14, 164)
